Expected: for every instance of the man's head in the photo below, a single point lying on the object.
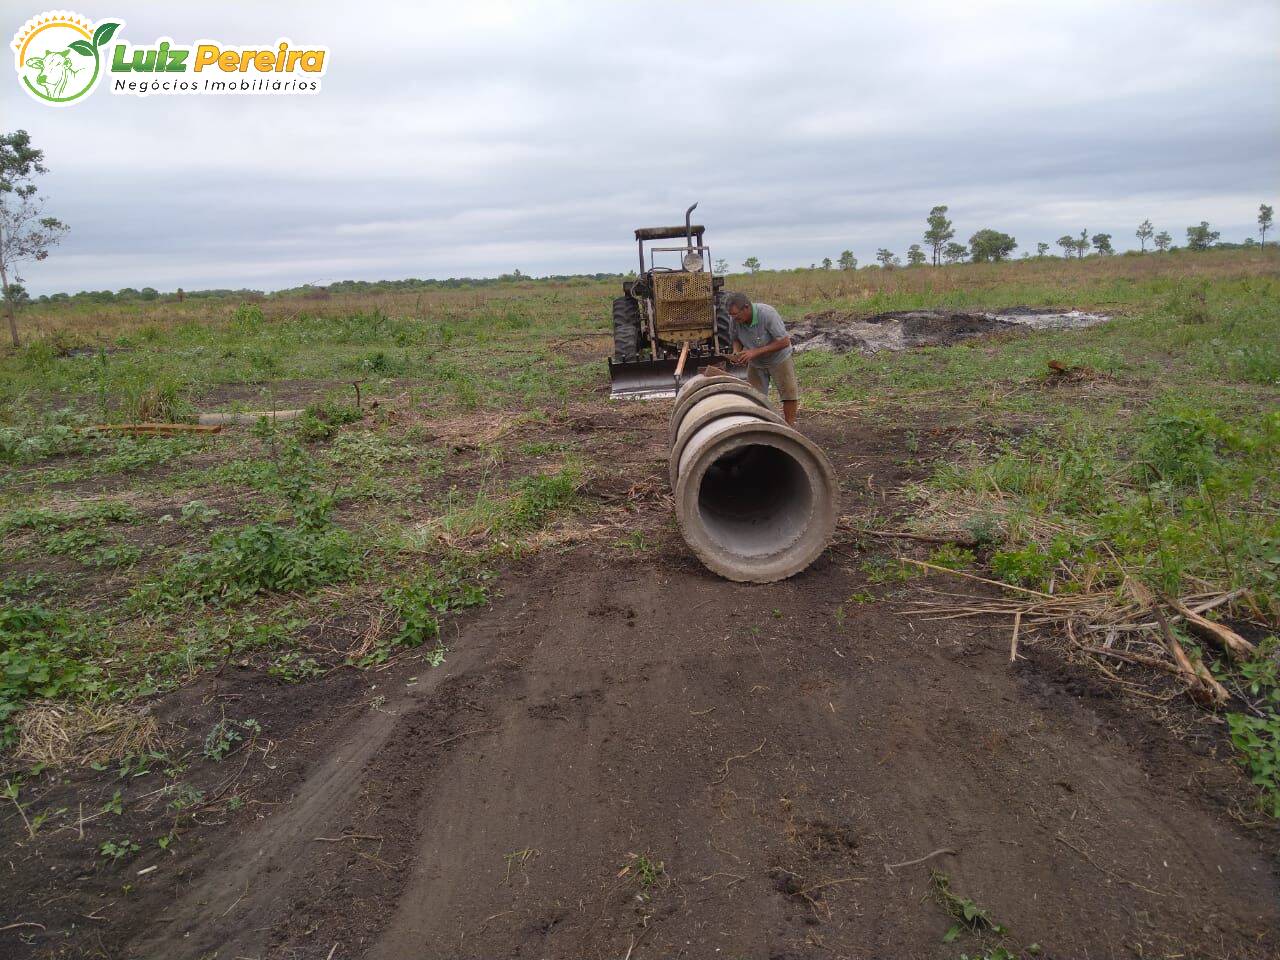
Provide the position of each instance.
(739, 307)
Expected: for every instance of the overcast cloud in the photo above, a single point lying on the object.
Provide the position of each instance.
(473, 139)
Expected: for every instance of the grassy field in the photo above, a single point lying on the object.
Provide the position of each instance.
(132, 565)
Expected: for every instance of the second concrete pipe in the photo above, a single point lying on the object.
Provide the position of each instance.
(756, 500)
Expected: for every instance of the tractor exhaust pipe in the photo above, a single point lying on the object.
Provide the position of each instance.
(755, 500)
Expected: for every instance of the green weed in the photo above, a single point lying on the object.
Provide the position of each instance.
(40, 656)
(952, 557)
(644, 870)
(1258, 741)
(292, 667)
(221, 740)
(118, 849)
(968, 916)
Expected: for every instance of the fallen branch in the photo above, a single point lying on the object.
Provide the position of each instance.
(155, 427)
(1111, 873)
(1201, 685)
(970, 576)
(464, 733)
(890, 867)
(1132, 658)
(741, 756)
(960, 539)
(1236, 646)
(249, 418)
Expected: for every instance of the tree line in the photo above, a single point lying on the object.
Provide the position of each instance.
(992, 246)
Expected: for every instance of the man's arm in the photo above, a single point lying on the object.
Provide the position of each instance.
(746, 356)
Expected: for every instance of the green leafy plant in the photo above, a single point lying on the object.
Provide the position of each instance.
(197, 512)
(418, 603)
(881, 570)
(221, 740)
(644, 870)
(952, 557)
(293, 667)
(257, 558)
(1258, 741)
(118, 849)
(39, 658)
(185, 796)
(966, 914)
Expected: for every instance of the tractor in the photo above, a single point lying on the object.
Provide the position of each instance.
(670, 320)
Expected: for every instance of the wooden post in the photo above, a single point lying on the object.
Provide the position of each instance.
(684, 355)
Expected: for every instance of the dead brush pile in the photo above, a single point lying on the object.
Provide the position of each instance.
(1144, 544)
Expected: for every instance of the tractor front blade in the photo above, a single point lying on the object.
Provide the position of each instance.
(654, 379)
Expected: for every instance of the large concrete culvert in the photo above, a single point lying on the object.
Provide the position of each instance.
(756, 501)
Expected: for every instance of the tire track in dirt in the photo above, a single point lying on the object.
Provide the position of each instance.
(243, 891)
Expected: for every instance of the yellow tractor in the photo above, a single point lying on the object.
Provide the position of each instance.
(670, 321)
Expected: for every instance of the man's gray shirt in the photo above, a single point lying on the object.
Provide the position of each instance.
(766, 327)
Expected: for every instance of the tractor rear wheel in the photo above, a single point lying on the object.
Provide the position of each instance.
(626, 330)
(724, 326)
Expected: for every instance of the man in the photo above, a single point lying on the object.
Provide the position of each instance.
(760, 341)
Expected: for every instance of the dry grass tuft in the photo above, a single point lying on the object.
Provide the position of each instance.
(59, 735)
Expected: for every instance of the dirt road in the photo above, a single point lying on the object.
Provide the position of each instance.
(625, 756)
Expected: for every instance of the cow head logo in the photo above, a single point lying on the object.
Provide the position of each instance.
(59, 55)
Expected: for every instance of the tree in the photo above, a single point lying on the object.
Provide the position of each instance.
(1163, 240)
(722, 266)
(1042, 249)
(826, 263)
(991, 246)
(1145, 233)
(1068, 244)
(148, 293)
(1082, 244)
(752, 264)
(1265, 214)
(939, 232)
(955, 252)
(886, 257)
(25, 235)
(1102, 243)
(16, 294)
(915, 256)
(1201, 237)
(848, 261)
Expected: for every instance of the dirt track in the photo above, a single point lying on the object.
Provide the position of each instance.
(772, 756)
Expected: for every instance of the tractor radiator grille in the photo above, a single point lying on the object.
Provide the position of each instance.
(685, 308)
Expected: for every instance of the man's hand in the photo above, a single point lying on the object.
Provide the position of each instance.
(742, 357)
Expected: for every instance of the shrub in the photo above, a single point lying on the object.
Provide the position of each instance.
(37, 659)
(418, 603)
(258, 558)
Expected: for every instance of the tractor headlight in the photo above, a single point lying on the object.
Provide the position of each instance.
(693, 261)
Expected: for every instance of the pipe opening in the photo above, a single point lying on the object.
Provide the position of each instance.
(755, 500)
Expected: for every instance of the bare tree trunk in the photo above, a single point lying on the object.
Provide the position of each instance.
(8, 307)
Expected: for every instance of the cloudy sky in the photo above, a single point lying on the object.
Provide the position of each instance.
(473, 139)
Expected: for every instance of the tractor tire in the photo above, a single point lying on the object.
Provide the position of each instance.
(724, 326)
(626, 330)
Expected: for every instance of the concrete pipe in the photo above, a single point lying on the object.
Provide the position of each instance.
(697, 386)
(755, 500)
